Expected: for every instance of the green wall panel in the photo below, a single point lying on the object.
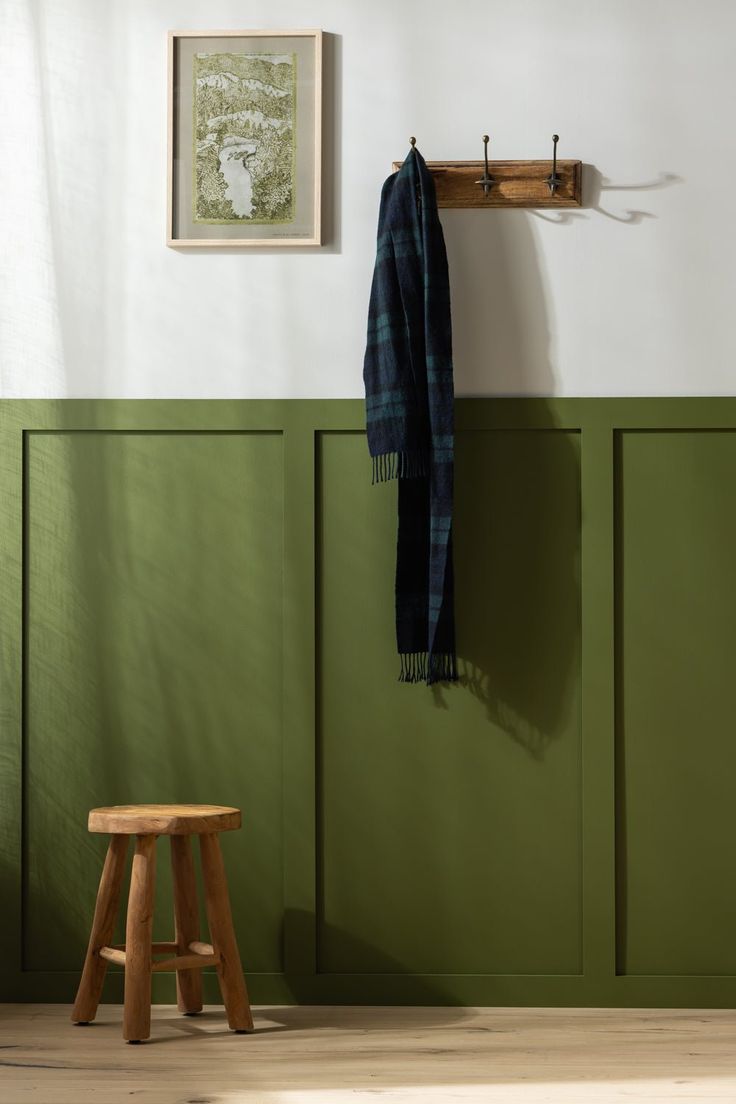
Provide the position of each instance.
(197, 605)
(153, 664)
(676, 645)
(450, 819)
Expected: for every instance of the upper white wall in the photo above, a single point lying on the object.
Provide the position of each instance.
(633, 295)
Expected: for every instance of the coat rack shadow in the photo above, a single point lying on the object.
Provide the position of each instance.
(594, 184)
(517, 519)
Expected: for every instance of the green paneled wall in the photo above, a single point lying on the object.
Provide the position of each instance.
(197, 606)
(676, 616)
(153, 660)
(457, 811)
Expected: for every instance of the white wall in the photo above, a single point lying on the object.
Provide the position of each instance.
(633, 295)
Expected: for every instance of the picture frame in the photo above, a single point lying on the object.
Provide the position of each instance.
(244, 139)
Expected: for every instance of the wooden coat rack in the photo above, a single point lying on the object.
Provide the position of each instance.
(506, 183)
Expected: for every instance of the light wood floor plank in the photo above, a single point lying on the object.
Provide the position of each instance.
(300, 1055)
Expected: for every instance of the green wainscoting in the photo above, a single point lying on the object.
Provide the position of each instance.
(676, 636)
(475, 789)
(197, 605)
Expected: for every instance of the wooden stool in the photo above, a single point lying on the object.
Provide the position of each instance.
(146, 822)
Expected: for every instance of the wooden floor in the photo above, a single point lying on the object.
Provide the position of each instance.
(335, 1055)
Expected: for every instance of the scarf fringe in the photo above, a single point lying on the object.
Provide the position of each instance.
(426, 667)
(399, 465)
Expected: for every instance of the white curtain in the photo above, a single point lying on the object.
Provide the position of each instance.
(63, 195)
(30, 327)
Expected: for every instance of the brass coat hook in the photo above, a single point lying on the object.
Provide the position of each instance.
(486, 181)
(553, 180)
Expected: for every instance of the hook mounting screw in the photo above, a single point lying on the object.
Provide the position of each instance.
(554, 180)
(486, 181)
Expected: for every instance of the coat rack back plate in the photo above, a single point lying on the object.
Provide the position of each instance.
(516, 183)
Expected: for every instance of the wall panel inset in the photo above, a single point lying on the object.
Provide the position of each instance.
(450, 817)
(153, 664)
(676, 738)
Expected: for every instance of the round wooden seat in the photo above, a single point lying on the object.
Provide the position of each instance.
(163, 820)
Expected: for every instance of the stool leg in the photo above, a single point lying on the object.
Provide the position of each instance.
(229, 970)
(108, 896)
(138, 932)
(186, 919)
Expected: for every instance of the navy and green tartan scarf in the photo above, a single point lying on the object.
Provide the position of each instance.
(409, 414)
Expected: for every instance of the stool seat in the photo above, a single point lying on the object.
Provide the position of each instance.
(163, 820)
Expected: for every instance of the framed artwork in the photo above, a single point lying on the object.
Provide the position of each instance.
(245, 136)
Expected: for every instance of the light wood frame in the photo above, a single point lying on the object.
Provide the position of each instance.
(246, 243)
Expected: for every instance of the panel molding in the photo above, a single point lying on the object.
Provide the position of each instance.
(599, 422)
(676, 458)
(517, 722)
(16, 451)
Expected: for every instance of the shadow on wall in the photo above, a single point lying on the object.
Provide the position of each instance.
(594, 183)
(517, 527)
(348, 955)
(517, 536)
(500, 323)
(501, 333)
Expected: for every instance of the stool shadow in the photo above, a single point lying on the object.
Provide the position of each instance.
(194, 1026)
(199, 1025)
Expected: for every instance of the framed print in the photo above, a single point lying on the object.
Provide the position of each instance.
(245, 136)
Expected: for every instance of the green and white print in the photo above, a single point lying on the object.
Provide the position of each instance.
(244, 137)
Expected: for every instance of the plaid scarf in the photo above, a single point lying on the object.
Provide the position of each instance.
(409, 414)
